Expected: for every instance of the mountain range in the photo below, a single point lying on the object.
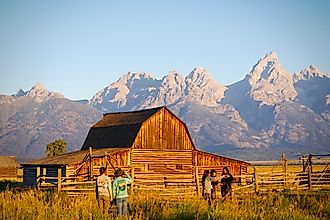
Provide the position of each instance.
(269, 112)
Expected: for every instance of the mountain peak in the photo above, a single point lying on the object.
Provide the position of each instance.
(39, 86)
(199, 75)
(270, 82)
(270, 56)
(308, 73)
(264, 68)
(20, 93)
(40, 93)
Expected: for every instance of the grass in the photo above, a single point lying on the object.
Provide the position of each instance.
(31, 204)
(279, 168)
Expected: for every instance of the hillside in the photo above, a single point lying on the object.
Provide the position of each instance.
(30, 122)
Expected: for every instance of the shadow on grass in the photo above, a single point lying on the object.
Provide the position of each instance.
(11, 185)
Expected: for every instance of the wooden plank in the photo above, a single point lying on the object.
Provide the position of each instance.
(59, 177)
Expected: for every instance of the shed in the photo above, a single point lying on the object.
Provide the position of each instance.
(154, 143)
(8, 167)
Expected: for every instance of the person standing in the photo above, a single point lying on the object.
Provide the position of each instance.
(208, 188)
(103, 191)
(226, 180)
(214, 183)
(119, 191)
(205, 174)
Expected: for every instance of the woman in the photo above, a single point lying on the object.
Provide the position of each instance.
(205, 174)
(208, 188)
(226, 180)
(214, 183)
(119, 191)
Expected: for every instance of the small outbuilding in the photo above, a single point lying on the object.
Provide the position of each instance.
(153, 144)
(8, 168)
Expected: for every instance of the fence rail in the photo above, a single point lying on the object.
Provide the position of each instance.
(255, 182)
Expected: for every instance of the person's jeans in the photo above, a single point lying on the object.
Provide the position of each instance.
(104, 202)
(122, 208)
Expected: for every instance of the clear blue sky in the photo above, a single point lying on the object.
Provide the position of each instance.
(79, 47)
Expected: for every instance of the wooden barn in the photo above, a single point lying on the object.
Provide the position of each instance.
(8, 168)
(153, 144)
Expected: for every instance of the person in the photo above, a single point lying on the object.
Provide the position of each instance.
(103, 191)
(208, 188)
(205, 174)
(119, 191)
(226, 180)
(214, 183)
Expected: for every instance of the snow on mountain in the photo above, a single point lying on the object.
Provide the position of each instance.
(313, 87)
(202, 88)
(130, 92)
(29, 123)
(140, 90)
(172, 88)
(267, 113)
(309, 73)
(270, 82)
(39, 93)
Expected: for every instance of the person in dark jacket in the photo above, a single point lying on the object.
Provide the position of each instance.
(226, 180)
(205, 174)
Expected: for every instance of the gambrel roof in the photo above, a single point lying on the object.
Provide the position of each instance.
(119, 130)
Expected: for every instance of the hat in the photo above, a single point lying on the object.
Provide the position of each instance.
(119, 172)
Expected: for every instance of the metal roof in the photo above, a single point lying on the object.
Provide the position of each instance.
(117, 130)
(70, 158)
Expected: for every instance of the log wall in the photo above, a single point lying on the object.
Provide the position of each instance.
(8, 173)
(163, 131)
(207, 161)
(159, 166)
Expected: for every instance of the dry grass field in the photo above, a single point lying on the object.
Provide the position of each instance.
(33, 204)
(279, 168)
(17, 202)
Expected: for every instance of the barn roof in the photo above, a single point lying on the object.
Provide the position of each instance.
(125, 118)
(69, 158)
(8, 162)
(117, 130)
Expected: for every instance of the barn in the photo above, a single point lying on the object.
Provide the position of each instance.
(153, 144)
(8, 168)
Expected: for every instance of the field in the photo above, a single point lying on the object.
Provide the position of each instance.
(279, 168)
(33, 204)
(16, 202)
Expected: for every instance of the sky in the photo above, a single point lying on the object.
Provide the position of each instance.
(79, 47)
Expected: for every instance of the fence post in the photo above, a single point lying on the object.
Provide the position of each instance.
(59, 179)
(285, 170)
(91, 163)
(310, 179)
(132, 176)
(197, 181)
(38, 177)
(256, 186)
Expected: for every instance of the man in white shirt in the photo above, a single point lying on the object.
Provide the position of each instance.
(103, 191)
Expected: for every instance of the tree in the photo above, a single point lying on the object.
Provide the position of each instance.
(55, 148)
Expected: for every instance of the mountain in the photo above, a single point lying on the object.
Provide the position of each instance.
(32, 119)
(130, 92)
(267, 113)
(313, 87)
(269, 109)
(141, 90)
(255, 97)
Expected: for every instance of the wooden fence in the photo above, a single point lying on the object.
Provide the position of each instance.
(257, 182)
